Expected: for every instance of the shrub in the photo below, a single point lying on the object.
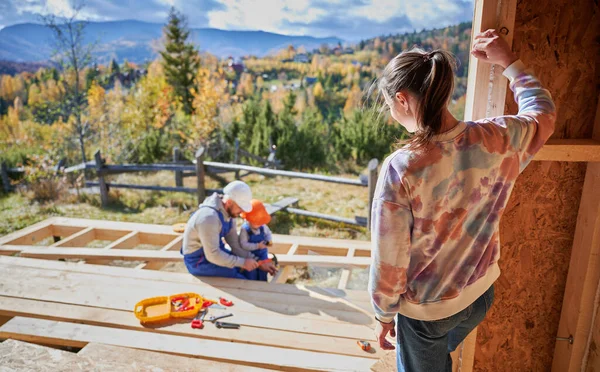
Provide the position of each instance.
(41, 181)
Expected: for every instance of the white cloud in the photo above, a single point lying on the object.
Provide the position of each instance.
(266, 15)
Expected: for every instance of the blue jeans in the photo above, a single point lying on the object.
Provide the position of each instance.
(425, 346)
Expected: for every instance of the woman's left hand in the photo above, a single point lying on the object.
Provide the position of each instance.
(381, 332)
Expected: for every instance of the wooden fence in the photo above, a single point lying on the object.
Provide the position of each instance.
(200, 169)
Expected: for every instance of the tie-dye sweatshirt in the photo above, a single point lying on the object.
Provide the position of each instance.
(436, 213)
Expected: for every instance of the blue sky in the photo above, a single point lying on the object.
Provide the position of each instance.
(347, 19)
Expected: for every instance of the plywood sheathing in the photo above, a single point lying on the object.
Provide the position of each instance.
(558, 40)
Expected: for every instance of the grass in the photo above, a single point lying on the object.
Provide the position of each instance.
(166, 208)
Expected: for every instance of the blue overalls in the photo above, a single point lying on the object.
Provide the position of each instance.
(261, 254)
(197, 263)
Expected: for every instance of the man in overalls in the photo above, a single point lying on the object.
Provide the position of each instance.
(203, 249)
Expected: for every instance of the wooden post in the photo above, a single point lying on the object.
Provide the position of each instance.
(101, 181)
(236, 157)
(583, 279)
(5, 178)
(372, 167)
(200, 174)
(178, 174)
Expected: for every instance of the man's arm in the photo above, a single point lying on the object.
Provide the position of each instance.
(233, 240)
(209, 228)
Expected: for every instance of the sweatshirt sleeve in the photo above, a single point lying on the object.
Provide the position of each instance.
(534, 123)
(209, 228)
(244, 243)
(233, 240)
(392, 222)
(268, 234)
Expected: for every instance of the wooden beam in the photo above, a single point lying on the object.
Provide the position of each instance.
(29, 235)
(578, 150)
(486, 94)
(79, 335)
(128, 241)
(170, 256)
(79, 239)
(583, 278)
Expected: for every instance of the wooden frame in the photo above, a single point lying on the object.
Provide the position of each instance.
(121, 240)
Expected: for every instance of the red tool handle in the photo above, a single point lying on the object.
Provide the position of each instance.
(224, 302)
(198, 321)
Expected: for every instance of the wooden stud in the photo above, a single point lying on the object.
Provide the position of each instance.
(284, 272)
(79, 239)
(128, 241)
(346, 273)
(583, 279)
(486, 94)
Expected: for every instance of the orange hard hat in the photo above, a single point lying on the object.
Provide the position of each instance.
(258, 216)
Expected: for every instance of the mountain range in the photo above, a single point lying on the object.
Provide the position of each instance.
(139, 41)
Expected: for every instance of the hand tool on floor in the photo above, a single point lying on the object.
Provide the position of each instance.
(198, 321)
(227, 325)
(364, 345)
(215, 318)
(223, 301)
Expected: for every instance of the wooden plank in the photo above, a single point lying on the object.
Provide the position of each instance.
(79, 239)
(124, 293)
(352, 296)
(583, 279)
(11, 306)
(174, 245)
(280, 204)
(200, 183)
(170, 256)
(136, 360)
(78, 335)
(580, 150)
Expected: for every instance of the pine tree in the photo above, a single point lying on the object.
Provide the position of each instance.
(114, 67)
(180, 58)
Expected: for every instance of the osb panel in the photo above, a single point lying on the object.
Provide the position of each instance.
(558, 41)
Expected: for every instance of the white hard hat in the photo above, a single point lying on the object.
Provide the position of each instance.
(240, 193)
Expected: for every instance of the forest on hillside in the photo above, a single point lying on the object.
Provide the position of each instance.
(310, 104)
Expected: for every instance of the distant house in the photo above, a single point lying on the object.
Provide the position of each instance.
(348, 50)
(337, 50)
(301, 58)
(237, 67)
(310, 80)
